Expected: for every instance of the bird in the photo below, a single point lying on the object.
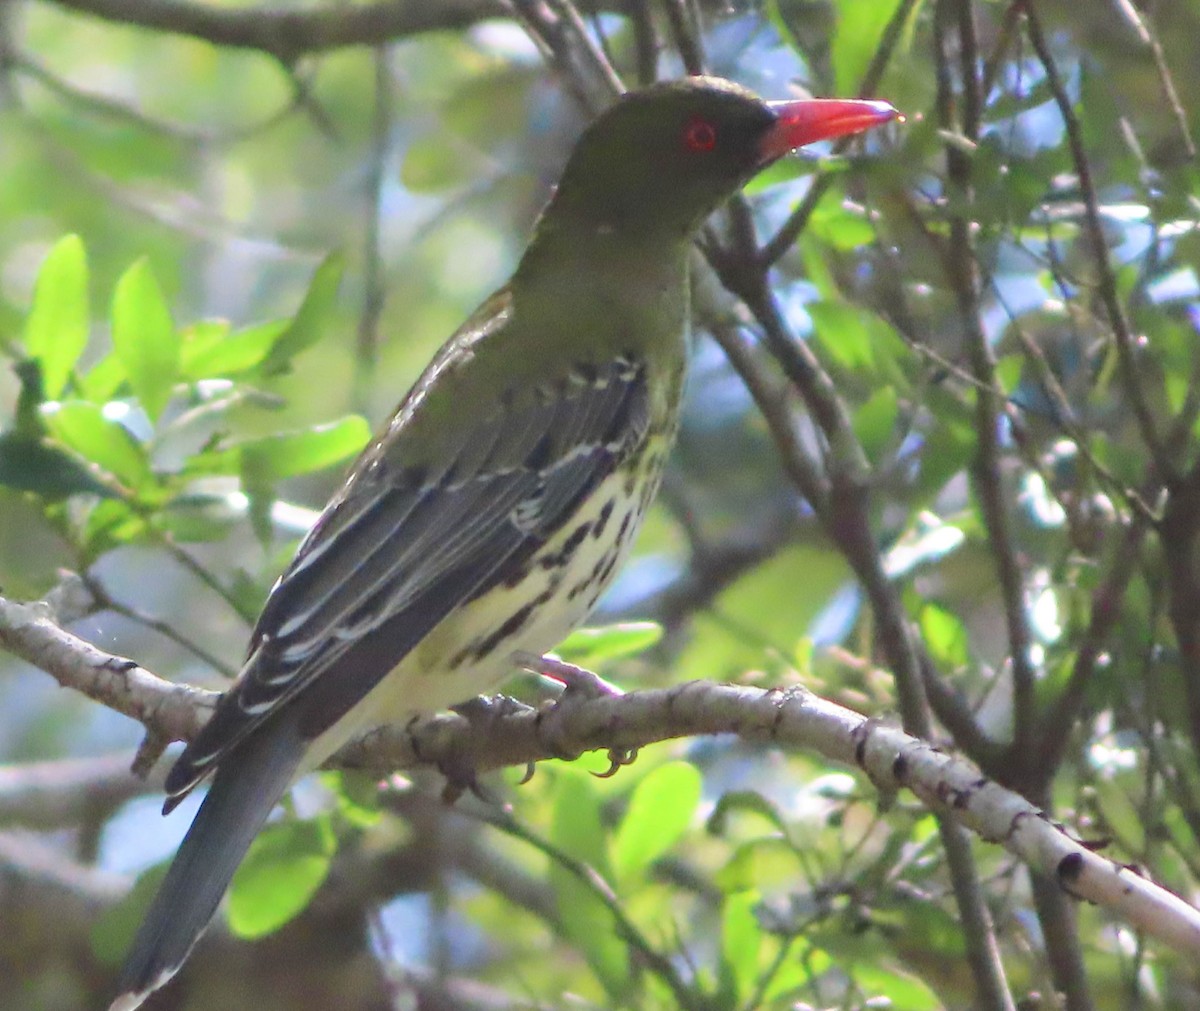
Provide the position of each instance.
(492, 510)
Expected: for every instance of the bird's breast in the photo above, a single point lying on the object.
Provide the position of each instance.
(555, 589)
(533, 609)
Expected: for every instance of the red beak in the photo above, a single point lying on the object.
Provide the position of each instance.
(808, 120)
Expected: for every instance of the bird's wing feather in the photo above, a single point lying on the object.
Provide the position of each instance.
(402, 547)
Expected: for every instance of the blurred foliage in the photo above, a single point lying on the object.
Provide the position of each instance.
(214, 267)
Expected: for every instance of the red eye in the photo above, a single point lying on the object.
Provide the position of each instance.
(700, 135)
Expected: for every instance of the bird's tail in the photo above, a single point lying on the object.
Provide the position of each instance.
(247, 785)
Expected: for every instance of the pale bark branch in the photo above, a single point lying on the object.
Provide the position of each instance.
(797, 718)
(503, 735)
(170, 711)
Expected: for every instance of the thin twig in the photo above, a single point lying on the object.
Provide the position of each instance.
(773, 399)
(1060, 929)
(97, 104)
(979, 931)
(1179, 532)
(164, 540)
(558, 30)
(107, 602)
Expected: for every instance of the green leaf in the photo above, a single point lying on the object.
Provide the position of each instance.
(949, 446)
(577, 829)
(945, 636)
(660, 811)
(842, 331)
(764, 863)
(859, 28)
(210, 350)
(291, 453)
(589, 646)
(793, 977)
(898, 988)
(31, 464)
(306, 327)
(113, 930)
(741, 941)
(1008, 372)
(438, 162)
(875, 422)
(199, 516)
(144, 337)
(841, 228)
(817, 267)
(103, 379)
(56, 331)
(110, 524)
(783, 171)
(27, 418)
(198, 340)
(764, 611)
(854, 337)
(283, 869)
(357, 796)
(742, 802)
(82, 426)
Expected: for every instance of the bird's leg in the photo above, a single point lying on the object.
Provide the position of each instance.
(584, 683)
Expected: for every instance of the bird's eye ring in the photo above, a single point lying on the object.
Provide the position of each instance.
(699, 135)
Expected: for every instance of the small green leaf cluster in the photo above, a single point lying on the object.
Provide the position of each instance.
(125, 428)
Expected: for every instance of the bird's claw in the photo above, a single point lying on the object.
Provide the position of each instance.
(618, 758)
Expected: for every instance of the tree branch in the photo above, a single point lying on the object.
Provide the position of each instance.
(797, 718)
(289, 34)
(963, 267)
(171, 712)
(790, 718)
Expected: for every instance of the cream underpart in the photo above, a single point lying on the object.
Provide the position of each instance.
(425, 676)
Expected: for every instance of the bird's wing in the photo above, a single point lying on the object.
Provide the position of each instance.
(401, 547)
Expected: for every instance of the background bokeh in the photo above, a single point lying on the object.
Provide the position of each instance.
(1013, 478)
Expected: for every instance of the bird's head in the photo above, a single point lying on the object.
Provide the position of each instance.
(661, 159)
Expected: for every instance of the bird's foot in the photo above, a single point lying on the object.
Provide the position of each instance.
(460, 770)
(579, 685)
(585, 684)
